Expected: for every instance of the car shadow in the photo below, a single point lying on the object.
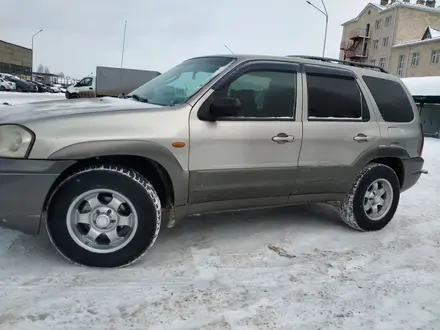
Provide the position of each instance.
(196, 232)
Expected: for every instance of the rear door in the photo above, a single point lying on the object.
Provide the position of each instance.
(338, 129)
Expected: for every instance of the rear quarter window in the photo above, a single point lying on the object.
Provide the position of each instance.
(391, 99)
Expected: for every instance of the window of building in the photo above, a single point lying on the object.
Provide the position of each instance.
(388, 21)
(435, 57)
(332, 97)
(415, 59)
(373, 62)
(382, 62)
(385, 41)
(378, 23)
(375, 44)
(263, 94)
(401, 65)
(391, 99)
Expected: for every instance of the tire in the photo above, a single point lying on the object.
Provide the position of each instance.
(74, 96)
(141, 205)
(2, 88)
(352, 210)
(19, 89)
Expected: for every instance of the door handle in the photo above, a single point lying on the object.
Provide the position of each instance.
(362, 138)
(283, 138)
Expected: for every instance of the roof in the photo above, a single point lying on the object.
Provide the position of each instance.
(298, 59)
(15, 45)
(430, 34)
(423, 86)
(392, 6)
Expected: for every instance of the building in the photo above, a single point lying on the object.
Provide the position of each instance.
(15, 59)
(399, 36)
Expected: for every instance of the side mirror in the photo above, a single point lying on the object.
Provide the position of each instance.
(225, 107)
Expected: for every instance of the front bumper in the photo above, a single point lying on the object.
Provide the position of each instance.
(24, 185)
(413, 169)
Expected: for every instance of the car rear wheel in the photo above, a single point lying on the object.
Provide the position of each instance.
(104, 216)
(74, 96)
(19, 89)
(373, 199)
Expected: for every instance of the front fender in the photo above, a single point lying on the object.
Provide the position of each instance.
(146, 149)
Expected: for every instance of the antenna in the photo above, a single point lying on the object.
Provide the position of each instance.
(123, 44)
(228, 49)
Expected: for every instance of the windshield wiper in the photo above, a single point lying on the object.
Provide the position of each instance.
(136, 97)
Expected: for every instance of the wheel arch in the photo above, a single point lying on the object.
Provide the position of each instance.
(155, 162)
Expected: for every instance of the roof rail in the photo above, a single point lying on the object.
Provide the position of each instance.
(333, 60)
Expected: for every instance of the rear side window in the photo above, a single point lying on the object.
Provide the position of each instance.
(391, 99)
(335, 97)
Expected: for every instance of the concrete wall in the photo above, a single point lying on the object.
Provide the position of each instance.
(425, 67)
(411, 24)
(13, 54)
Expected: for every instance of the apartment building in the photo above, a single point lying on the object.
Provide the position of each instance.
(402, 37)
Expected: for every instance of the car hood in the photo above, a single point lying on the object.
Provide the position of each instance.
(60, 108)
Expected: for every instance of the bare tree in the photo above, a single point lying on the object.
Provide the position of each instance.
(40, 68)
(46, 69)
(61, 75)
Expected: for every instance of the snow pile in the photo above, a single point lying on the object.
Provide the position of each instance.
(19, 98)
(423, 86)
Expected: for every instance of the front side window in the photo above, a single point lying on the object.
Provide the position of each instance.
(87, 82)
(401, 65)
(378, 24)
(334, 97)
(263, 94)
(388, 21)
(178, 84)
(435, 57)
(375, 44)
(415, 59)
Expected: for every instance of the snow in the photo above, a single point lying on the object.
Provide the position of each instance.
(14, 98)
(423, 86)
(294, 268)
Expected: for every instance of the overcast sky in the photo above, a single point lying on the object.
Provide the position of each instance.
(82, 34)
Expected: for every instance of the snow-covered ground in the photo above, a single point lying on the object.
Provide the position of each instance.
(295, 268)
(18, 98)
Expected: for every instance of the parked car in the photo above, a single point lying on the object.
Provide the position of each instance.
(41, 87)
(61, 88)
(52, 88)
(6, 85)
(213, 134)
(33, 85)
(21, 85)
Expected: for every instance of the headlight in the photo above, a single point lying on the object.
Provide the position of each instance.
(15, 141)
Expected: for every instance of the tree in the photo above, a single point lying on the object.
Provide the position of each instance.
(40, 68)
(46, 69)
(61, 75)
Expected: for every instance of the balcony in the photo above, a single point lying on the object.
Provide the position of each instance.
(359, 33)
(356, 54)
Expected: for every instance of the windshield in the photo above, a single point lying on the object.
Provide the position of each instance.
(181, 82)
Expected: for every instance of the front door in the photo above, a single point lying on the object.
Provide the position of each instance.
(85, 88)
(340, 131)
(250, 159)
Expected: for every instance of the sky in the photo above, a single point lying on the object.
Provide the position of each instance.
(79, 35)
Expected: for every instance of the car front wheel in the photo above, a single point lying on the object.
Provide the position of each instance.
(104, 216)
(373, 199)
